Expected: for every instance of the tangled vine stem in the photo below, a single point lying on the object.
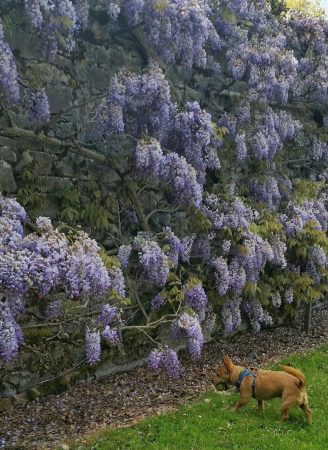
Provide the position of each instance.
(165, 319)
(16, 132)
(132, 194)
(70, 319)
(141, 328)
(261, 242)
(56, 377)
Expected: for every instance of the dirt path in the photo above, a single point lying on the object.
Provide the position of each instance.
(125, 398)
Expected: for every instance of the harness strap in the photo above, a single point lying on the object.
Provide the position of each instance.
(253, 383)
(246, 373)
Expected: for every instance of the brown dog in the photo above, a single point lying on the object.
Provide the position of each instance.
(290, 385)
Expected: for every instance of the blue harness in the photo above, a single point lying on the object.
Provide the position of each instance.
(247, 373)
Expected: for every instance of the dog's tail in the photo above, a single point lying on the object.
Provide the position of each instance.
(297, 374)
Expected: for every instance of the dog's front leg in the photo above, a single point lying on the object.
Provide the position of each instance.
(260, 404)
(242, 402)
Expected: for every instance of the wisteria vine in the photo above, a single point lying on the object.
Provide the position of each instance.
(233, 192)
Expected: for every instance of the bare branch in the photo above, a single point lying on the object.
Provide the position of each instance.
(299, 160)
(142, 328)
(16, 132)
(116, 240)
(132, 194)
(215, 104)
(58, 115)
(147, 186)
(70, 319)
(149, 337)
(159, 210)
(224, 87)
(165, 319)
(65, 372)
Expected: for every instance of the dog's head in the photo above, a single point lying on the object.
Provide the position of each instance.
(222, 374)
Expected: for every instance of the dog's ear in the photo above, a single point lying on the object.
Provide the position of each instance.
(228, 363)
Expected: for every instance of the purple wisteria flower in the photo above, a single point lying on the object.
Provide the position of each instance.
(289, 296)
(171, 363)
(155, 360)
(54, 310)
(157, 302)
(181, 31)
(276, 299)
(196, 299)
(222, 275)
(241, 147)
(123, 255)
(194, 137)
(111, 336)
(11, 336)
(56, 22)
(117, 282)
(256, 314)
(171, 169)
(38, 112)
(152, 259)
(86, 272)
(92, 346)
(166, 359)
(191, 327)
(231, 315)
(8, 72)
(43, 264)
(108, 315)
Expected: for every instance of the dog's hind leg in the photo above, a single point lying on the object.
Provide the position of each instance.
(287, 402)
(285, 406)
(307, 411)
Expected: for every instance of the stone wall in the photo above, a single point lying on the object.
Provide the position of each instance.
(52, 358)
(74, 86)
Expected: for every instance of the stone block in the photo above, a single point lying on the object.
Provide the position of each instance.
(66, 166)
(7, 180)
(27, 43)
(97, 172)
(7, 154)
(60, 97)
(7, 142)
(43, 161)
(64, 129)
(47, 207)
(52, 184)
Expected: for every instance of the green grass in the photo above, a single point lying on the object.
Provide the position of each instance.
(209, 423)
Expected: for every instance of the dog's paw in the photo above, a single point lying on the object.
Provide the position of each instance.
(283, 420)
